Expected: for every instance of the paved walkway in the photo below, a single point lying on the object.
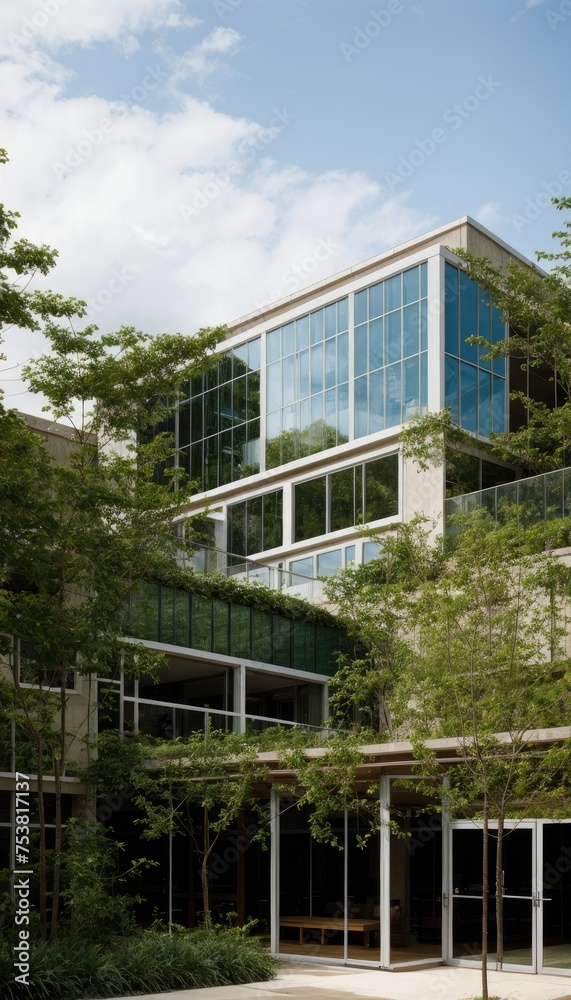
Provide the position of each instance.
(321, 982)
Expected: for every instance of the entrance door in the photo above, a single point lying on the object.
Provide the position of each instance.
(554, 897)
(519, 901)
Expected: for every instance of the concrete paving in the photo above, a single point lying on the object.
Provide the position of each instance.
(321, 982)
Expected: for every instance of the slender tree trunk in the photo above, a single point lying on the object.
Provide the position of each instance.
(43, 879)
(204, 872)
(59, 761)
(57, 850)
(38, 740)
(500, 892)
(485, 899)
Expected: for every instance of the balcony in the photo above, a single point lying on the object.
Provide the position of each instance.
(211, 560)
(540, 498)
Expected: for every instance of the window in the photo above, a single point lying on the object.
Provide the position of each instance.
(218, 426)
(475, 389)
(360, 494)
(256, 524)
(307, 384)
(391, 341)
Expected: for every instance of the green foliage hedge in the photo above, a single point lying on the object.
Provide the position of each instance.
(153, 962)
(256, 595)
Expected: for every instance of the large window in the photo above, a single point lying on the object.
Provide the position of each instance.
(218, 426)
(308, 384)
(475, 389)
(360, 494)
(255, 524)
(391, 344)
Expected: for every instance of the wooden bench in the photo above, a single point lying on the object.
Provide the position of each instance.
(337, 924)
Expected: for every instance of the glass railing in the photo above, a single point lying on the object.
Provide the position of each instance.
(167, 721)
(541, 498)
(210, 560)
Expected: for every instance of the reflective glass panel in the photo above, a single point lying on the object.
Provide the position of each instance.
(309, 509)
(410, 285)
(342, 499)
(361, 309)
(329, 562)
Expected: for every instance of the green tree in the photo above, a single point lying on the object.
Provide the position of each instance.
(376, 604)
(197, 788)
(537, 307)
(490, 661)
(465, 644)
(76, 535)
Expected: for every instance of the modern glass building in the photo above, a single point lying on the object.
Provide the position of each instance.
(293, 438)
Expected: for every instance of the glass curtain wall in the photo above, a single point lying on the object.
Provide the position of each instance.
(391, 351)
(218, 424)
(373, 899)
(307, 384)
(475, 389)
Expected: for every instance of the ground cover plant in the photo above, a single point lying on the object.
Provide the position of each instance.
(153, 961)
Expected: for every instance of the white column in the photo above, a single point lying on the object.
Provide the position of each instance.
(325, 709)
(435, 333)
(240, 696)
(287, 523)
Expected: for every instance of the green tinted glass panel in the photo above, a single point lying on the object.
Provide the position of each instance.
(201, 622)
(381, 488)
(342, 499)
(254, 525)
(167, 614)
(273, 533)
(261, 636)
(309, 509)
(300, 655)
(181, 618)
(220, 626)
(237, 528)
(326, 648)
(145, 611)
(282, 628)
(240, 644)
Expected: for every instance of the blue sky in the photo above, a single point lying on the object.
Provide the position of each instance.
(185, 156)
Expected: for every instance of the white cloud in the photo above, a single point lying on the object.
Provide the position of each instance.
(174, 221)
(54, 23)
(202, 59)
(529, 5)
(490, 214)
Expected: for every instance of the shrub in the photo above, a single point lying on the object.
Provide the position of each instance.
(153, 962)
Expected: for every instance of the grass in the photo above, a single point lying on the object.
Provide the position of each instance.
(153, 962)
